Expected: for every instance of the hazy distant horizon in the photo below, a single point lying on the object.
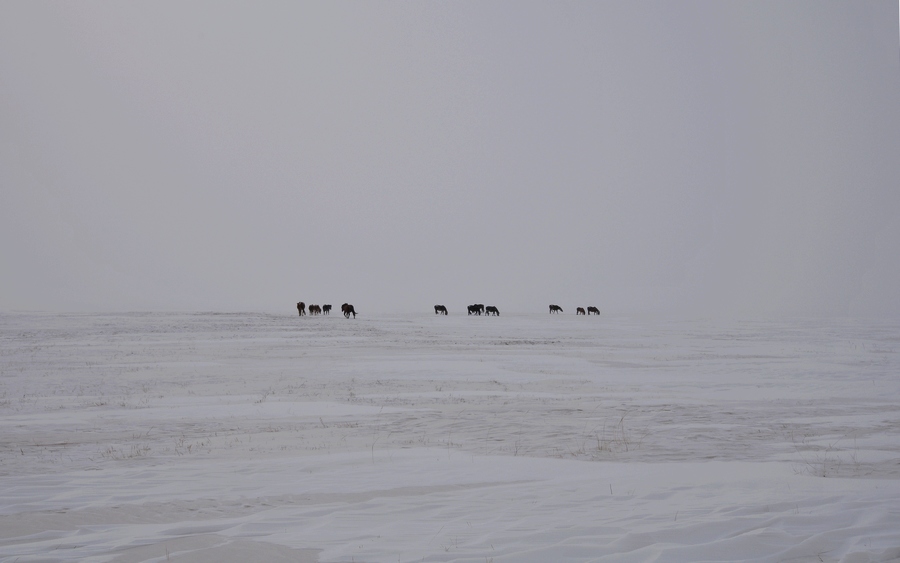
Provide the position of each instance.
(690, 159)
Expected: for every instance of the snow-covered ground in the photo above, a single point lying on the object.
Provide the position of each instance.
(238, 437)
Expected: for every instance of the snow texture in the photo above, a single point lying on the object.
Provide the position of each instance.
(236, 437)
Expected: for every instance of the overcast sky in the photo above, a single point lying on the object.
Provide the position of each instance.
(691, 157)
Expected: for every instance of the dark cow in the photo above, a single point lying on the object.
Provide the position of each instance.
(579, 311)
(440, 310)
(555, 309)
(301, 308)
(594, 310)
(348, 310)
(491, 310)
(326, 309)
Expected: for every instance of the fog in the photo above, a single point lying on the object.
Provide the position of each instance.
(691, 158)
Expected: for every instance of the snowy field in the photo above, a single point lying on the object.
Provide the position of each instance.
(239, 437)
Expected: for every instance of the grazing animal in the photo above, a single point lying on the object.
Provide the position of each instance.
(594, 310)
(301, 308)
(555, 309)
(440, 310)
(473, 309)
(348, 310)
(579, 311)
(491, 310)
(326, 309)
(480, 307)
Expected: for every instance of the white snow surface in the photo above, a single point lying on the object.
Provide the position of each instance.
(238, 437)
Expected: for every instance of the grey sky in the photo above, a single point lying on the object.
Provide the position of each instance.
(692, 157)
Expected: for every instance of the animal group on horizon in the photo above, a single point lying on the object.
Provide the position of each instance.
(346, 308)
(476, 309)
(578, 311)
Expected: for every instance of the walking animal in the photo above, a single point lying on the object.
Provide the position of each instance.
(555, 309)
(348, 310)
(301, 308)
(326, 309)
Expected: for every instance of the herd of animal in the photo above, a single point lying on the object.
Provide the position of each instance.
(346, 308)
(476, 309)
(578, 311)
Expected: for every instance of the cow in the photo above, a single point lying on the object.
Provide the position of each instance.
(491, 310)
(594, 310)
(579, 311)
(301, 308)
(440, 310)
(555, 309)
(326, 309)
(348, 310)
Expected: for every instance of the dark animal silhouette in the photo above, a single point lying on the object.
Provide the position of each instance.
(476, 309)
(348, 310)
(480, 307)
(326, 309)
(491, 310)
(579, 311)
(594, 310)
(555, 309)
(301, 308)
(440, 310)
